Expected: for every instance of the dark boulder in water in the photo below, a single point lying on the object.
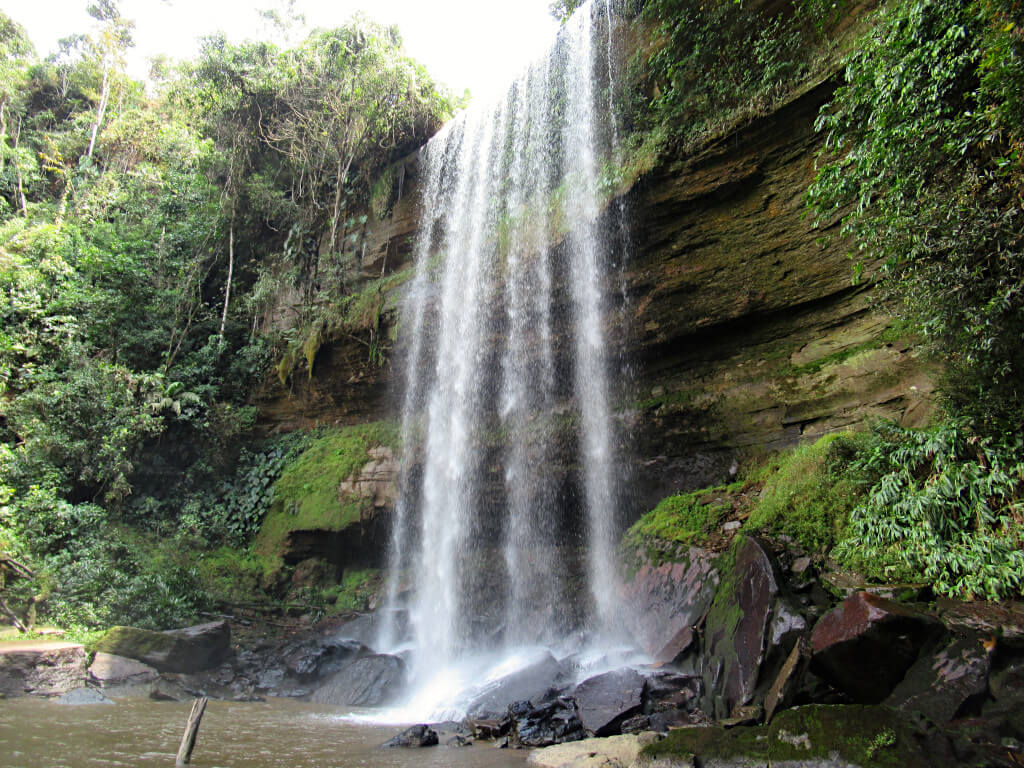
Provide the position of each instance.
(416, 736)
(371, 681)
(552, 722)
(535, 682)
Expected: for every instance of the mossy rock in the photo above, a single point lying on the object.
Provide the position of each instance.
(667, 532)
(814, 735)
(188, 650)
(809, 496)
(306, 496)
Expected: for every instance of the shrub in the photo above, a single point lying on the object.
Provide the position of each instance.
(924, 166)
(945, 507)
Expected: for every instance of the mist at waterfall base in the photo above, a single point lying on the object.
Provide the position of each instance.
(504, 538)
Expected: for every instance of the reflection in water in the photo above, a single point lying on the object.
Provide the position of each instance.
(278, 734)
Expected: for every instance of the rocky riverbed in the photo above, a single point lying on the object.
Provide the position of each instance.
(753, 658)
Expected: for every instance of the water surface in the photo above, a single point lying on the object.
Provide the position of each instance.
(277, 734)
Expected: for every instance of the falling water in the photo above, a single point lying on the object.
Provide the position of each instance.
(509, 490)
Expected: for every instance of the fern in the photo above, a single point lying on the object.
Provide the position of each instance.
(944, 506)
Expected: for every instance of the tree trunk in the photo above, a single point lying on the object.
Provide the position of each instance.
(231, 269)
(3, 135)
(104, 96)
(188, 739)
(12, 616)
(17, 171)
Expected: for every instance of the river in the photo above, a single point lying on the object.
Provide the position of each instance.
(279, 733)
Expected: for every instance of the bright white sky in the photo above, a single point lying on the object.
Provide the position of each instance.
(477, 44)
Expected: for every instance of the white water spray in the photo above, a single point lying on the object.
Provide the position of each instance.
(509, 480)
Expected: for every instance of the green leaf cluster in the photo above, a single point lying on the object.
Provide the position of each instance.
(945, 506)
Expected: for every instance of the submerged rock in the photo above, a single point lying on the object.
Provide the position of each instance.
(371, 681)
(415, 736)
(865, 645)
(80, 696)
(605, 701)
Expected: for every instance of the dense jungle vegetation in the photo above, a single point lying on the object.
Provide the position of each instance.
(143, 230)
(146, 230)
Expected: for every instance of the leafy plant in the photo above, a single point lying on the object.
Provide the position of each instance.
(713, 64)
(944, 506)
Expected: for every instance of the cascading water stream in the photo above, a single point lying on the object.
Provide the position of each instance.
(509, 478)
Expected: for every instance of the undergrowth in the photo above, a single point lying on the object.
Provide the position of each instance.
(945, 506)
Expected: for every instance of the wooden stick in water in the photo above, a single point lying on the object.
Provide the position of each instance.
(188, 740)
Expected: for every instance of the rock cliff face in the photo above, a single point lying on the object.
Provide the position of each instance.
(744, 330)
(747, 332)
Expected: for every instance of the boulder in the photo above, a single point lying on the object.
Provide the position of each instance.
(367, 628)
(552, 722)
(609, 752)
(948, 683)
(736, 632)
(83, 695)
(43, 671)
(865, 645)
(415, 736)
(781, 694)
(111, 671)
(534, 682)
(371, 681)
(188, 650)
(311, 661)
(605, 701)
(668, 601)
(672, 691)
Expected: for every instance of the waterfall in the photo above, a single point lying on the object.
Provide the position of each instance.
(509, 490)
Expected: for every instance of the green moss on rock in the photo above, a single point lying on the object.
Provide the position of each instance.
(306, 496)
(680, 521)
(858, 735)
(809, 497)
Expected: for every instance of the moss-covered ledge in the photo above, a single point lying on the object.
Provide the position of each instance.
(814, 735)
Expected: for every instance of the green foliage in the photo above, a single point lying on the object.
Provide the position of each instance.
(924, 166)
(356, 590)
(945, 506)
(249, 494)
(563, 9)
(230, 576)
(809, 493)
(306, 496)
(715, 63)
(126, 398)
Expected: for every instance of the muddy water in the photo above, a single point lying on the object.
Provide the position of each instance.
(276, 734)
